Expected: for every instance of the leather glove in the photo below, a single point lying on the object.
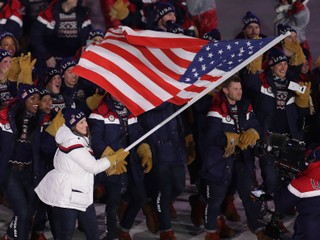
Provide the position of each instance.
(302, 99)
(14, 70)
(248, 138)
(116, 159)
(191, 151)
(56, 123)
(317, 63)
(256, 65)
(293, 46)
(144, 153)
(94, 100)
(232, 141)
(120, 9)
(26, 66)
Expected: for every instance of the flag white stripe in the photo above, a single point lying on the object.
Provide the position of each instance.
(133, 71)
(116, 81)
(160, 56)
(132, 50)
(166, 61)
(182, 53)
(150, 33)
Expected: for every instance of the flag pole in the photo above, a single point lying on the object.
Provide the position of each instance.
(210, 88)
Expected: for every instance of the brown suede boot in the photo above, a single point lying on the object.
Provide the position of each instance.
(212, 236)
(261, 235)
(229, 210)
(5, 237)
(37, 236)
(152, 220)
(224, 230)
(197, 210)
(124, 235)
(167, 235)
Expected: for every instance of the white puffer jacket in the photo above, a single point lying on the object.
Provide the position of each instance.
(70, 183)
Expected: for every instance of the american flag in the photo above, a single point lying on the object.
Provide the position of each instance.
(144, 68)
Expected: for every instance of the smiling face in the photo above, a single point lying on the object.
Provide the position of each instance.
(9, 44)
(5, 65)
(54, 85)
(97, 39)
(46, 104)
(82, 127)
(280, 69)
(70, 78)
(32, 103)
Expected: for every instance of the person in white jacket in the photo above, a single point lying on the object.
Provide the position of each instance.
(68, 188)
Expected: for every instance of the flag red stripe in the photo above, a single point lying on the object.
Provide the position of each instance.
(161, 40)
(143, 68)
(125, 76)
(161, 66)
(178, 60)
(101, 81)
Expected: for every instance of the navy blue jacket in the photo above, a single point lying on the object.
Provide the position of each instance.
(44, 32)
(107, 129)
(215, 167)
(265, 106)
(8, 140)
(167, 143)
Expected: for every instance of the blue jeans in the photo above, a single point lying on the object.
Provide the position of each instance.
(171, 183)
(65, 222)
(19, 189)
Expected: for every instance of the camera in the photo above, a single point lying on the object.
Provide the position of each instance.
(287, 154)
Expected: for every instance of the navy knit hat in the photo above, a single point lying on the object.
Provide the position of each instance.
(51, 72)
(213, 35)
(67, 63)
(96, 33)
(43, 92)
(275, 56)
(4, 54)
(283, 28)
(164, 8)
(250, 18)
(25, 91)
(72, 116)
